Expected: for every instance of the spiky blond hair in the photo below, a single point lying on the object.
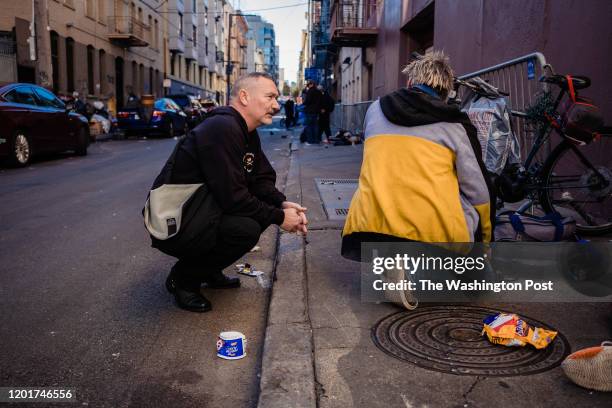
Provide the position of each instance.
(432, 69)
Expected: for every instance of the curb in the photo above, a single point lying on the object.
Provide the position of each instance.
(287, 371)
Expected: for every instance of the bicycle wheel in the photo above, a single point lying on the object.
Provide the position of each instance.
(578, 182)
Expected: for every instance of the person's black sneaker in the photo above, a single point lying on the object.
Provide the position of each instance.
(192, 301)
(220, 281)
(171, 282)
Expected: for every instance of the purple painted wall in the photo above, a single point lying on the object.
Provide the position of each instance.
(575, 36)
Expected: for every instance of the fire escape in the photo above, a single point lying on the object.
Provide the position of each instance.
(353, 23)
(127, 31)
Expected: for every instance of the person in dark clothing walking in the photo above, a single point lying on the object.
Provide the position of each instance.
(289, 113)
(327, 107)
(225, 152)
(312, 106)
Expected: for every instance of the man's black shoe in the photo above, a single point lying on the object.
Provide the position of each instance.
(220, 281)
(171, 282)
(192, 301)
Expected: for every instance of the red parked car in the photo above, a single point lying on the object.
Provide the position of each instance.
(33, 121)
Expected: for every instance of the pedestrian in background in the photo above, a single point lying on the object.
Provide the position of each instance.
(289, 113)
(312, 106)
(225, 152)
(327, 107)
(422, 176)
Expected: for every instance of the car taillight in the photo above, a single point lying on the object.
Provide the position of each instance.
(123, 114)
(158, 114)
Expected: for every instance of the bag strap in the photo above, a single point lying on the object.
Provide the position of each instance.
(172, 159)
(570, 87)
(555, 218)
(517, 223)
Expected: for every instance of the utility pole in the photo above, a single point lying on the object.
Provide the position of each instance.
(40, 46)
(229, 68)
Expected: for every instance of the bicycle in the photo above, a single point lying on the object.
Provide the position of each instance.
(567, 181)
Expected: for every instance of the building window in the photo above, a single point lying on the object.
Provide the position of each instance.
(194, 6)
(157, 81)
(172, 62)
(156, 35)
(90, 9)
(90, 70)
(180, 25)
(134, 86)
(187, 70)
(70, 64)
(205, 16)
(206, 45)
(101, 10)
(55, 60)
(194, 36)
(150, 88)
(102, 62)
(141, 79)
(151, 35)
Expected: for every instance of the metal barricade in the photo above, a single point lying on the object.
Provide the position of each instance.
(518, 77)
(349, 117)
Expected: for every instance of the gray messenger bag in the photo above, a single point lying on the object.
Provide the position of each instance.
(179, 216)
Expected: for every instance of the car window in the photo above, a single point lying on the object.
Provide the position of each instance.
(173, 105)
(22, 94)
(46, 98)
(180, 100)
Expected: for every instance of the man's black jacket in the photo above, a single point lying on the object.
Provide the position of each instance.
(312, 100)
(218, 152)
(289, 105)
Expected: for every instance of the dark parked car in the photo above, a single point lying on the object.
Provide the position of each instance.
(166, 118)
(34, 121)
(191, 106)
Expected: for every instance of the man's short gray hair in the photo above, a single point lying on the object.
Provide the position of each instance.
(432, 69)
(243, 81)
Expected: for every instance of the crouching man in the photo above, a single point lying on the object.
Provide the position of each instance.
(225, 153)
(422, 177)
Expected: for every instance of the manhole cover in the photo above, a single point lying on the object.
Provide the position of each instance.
(448, 339)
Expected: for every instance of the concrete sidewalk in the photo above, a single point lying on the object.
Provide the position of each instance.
(319, 349)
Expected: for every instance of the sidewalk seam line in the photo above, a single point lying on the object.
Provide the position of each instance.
(317, 384)
(272, 278)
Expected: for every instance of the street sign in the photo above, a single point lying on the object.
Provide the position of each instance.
(316, 74)
(530, 70)
(167, 83)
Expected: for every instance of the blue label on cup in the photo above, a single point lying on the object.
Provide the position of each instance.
(231, 347)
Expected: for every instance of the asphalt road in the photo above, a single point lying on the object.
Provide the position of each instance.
(82, 303)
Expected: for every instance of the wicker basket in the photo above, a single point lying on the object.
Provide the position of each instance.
(591, 367)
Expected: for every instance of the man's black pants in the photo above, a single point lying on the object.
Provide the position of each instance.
(235, 237)
(324, 125)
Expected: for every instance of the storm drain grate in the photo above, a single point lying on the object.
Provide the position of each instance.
(336, 195)
(448, 339)
(337, 181)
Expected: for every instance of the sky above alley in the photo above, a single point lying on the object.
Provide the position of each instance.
(289, 19)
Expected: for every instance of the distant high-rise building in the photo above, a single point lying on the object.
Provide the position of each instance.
(265, 40)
